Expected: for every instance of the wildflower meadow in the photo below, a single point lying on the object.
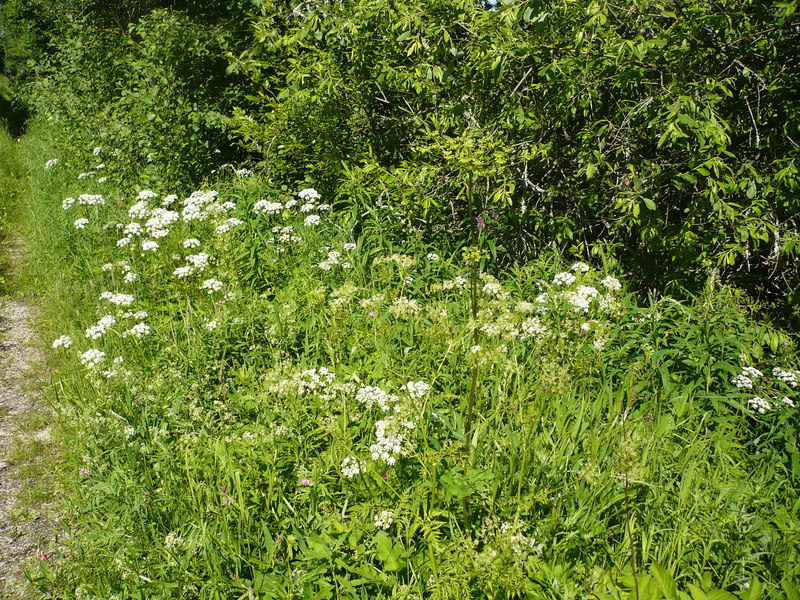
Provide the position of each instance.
(292, 373)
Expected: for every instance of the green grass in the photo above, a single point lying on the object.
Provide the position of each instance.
(608, 450)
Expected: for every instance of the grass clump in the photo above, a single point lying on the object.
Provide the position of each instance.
(270, 397)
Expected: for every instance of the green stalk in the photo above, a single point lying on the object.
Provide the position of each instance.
(475, 240)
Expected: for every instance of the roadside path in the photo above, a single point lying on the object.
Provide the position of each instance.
(26, 520)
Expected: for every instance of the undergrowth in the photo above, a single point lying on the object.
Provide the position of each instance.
(271, 396)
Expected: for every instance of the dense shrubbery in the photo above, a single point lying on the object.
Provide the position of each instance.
(665, 131)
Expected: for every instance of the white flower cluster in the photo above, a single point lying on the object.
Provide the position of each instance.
(532, 328)
(403, 261)
(611, 283)
(333, 260)
(581, 299)
(211, 285)
(311, 220)
(201, 204)
(564, 278)
(384, 519)
(790, 378)
(745, 379)
(518, 541)
(81, 223)
(118, 299)
(228, 225)
(371, 396)
(191, 243)
(92, 358)
(310, 381)
(197, 262)
(139, 331)
(352, 467)
(403, 307)
(391, 439)
(580, 267)
(51, 163)
(62, 342)
(458, 283)
(759, 405)
(139, 314)
(149, 245)
(158, 224)
(97, 331)
(415, 389)
(265, 207)
(309, 194)
(91, 199)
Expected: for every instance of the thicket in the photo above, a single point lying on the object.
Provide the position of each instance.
(666, 132)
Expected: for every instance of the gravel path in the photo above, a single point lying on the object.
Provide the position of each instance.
(26, 525)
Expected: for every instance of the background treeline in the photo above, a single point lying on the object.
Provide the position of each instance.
(667, 133)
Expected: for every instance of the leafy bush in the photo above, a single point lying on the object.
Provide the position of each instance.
(666, 130)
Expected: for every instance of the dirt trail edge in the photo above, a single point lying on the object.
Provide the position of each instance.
(26, 519)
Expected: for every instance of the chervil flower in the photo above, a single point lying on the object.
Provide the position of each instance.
(212, 285)
(352, 466)
(564, 278)
(265, 207)
(309, 194)
(580, 267)
(63, 342)
(611, 283)
(81, 223)
(311, 220)
(182, 272)
(139, 330)
(92, 358)
(384, 520)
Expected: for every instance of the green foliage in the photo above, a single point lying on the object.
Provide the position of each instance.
(668, 130)
(231, 453)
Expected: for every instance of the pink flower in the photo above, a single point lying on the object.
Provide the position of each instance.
(306, 482)
(85, 472)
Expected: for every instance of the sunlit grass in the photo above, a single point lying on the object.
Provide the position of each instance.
(267, 397)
